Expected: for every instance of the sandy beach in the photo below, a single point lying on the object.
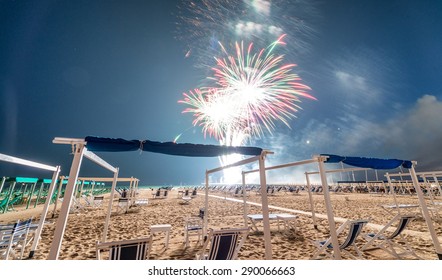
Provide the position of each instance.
(85, 226)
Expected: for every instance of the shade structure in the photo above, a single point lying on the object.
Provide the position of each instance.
(86, 147)
(56, 171)
(264, 201)
(102, 144)
(377, 163)
(374, 163)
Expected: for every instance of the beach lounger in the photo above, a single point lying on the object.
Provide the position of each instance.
(98, 201)
(156, 194)
(14, 240)
(133, 249)
(186, 199)
(384, 241)
(354, 229)
(123, 205)
(141, 202)
(224, 244)
(194, 193)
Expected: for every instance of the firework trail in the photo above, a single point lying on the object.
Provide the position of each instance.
(201, 24)
(250, 92)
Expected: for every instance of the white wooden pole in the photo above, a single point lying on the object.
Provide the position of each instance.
(328, 206)
(425, 212)
(64, 211)
(2, 184)
(60, 184)
(265, 208)
(244, 197)
(109, 207)
(44, 212)
(206, 206)
(312, 204)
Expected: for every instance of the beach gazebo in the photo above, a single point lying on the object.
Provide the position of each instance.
(361, 163)
(86, 148)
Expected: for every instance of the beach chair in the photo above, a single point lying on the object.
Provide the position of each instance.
(98, 201)
(132, 249)
(354, 229)
(156, 194)
(225, 244)
(14, 239)
(141, 202)
(87, 201)
(386, 242)
(165, 193)
(123, 205)
(194, 193)
(193, 226)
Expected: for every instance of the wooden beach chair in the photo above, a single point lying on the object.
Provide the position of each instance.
(156, 194)
(193, 226)
(98, 201)
(224, 244)
(354, 229)
(132, 249)
(123, 205)
(13, 241)
(386, 242)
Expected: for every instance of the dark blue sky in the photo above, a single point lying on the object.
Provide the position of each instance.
(118, 68)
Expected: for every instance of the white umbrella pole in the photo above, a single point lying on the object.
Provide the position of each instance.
(426, 213)
(64, 211)
(206, 206)
(60, 184)
(246, 223)
(44, 212)
(328, 206)
(265, 209)
(109, 207)
(310, 197)
(2, 184)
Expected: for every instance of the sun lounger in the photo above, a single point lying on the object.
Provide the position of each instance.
(13, 241)
(224, 244)
(133, 249)
(386, 242)
(354, 229)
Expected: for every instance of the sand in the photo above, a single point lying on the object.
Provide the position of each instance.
(85, 226)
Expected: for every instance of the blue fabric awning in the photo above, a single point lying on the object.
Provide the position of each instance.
(374, 163)
(102, 144)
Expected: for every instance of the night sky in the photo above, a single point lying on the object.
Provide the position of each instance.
(118, 68)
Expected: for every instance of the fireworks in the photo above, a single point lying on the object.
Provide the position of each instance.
(251, 91)
(201, 24)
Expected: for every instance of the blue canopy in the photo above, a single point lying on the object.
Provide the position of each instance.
(102, 144)
(374, 163)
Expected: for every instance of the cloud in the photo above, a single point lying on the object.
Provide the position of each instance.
(261, 7)
(412, 134)
(352, 82)
(249, 28)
